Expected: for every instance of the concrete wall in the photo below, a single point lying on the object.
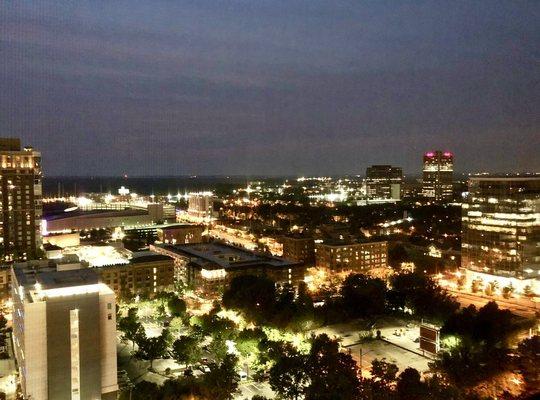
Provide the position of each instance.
(59, 348)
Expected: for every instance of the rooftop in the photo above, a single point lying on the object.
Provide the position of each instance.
(40, 280)
(220, 255)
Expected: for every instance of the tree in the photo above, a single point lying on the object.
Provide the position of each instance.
(176, 306)
(222, 380)
(488, 326)
(476, 285)
(130, 326)
(185, 388)
(253, 295)
(397, 254)
(409, 386)
(384, 371)
(466, 365)
(419, 293)
(152, 348)
(145, 390)
(218, 348)
(334, 375)
(363, 296)
(528, 355)
(507, 291)
(186, 350)
(3, 322)
(248, 341)
(289, 376)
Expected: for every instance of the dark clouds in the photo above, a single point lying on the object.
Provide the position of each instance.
(270, 87)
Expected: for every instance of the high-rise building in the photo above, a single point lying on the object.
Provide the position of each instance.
(64, 332)
(20, 200)
(201, 205)
(501, 226)
(437, 176)
(383, 182)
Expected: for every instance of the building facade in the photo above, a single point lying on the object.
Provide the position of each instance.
(299, 248)
(383, 182)
(201, 205)
(438, 175)
(20, 200)
(209, 267)
(354, 257)
(146, 274)
(64, 333)
(501, 226)
(180, 233)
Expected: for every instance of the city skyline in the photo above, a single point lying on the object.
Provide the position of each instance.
(270, 88)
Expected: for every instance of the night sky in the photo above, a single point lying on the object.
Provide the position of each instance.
(270, 87)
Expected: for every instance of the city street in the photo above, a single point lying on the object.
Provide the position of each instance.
(522, 307)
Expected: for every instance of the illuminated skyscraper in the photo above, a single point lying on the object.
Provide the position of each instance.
(501, 226)
(383, 182)
(437, 175)
(20, 204)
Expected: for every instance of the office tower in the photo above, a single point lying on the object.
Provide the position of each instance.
(64, 332)
(501, 226)
(437, 175)
(201, 205)
(20, 194)
(383, 182)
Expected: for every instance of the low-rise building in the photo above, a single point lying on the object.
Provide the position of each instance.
(211, 266)
(354, 257)
(145, 274)
(64, 333)
(180, 233)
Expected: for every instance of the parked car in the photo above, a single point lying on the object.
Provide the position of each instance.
(204, 368)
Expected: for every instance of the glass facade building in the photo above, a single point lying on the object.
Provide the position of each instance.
(501, 226)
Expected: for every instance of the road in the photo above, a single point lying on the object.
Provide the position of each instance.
(521, 309)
